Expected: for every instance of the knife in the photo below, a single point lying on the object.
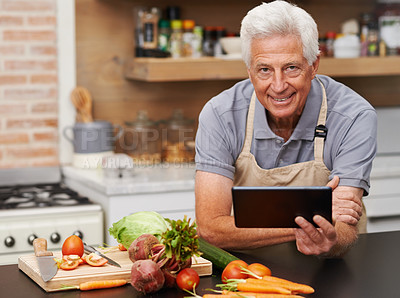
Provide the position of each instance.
(47, 265)
(91, 249)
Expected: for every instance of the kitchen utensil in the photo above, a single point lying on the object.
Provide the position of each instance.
(45, 259)
(90, 249)
(82, 101)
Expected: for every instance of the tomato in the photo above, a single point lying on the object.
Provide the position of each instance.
(69, 264)
(121, 247)
(234, 271)
(73, 245)
(95, 260)
(259, 269)
(187, 279)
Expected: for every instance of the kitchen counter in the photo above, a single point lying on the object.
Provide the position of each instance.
(370, 269)
(158, 178)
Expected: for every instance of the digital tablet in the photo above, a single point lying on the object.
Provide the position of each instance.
(277, 207)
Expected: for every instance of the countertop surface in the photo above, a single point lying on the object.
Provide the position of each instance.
(145, 179)
(369, 269)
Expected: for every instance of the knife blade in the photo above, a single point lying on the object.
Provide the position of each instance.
(47, 265)
(91, 249)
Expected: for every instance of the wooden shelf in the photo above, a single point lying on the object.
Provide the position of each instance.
(209, 68)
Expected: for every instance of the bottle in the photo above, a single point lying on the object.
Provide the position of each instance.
(163, 35)
(373, 40)
(366, 19)
(139, 38)
(197, 41)
(150, 28)
(219, 32)
(187, 38)
(388, 13)
(330, 39)
(175, 41)
(322, 46)
(208, 41)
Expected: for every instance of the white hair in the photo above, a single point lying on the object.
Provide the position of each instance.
(279, 18)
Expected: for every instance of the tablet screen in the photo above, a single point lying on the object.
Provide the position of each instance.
(277, 207)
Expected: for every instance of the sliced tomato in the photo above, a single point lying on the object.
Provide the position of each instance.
(74, 258)
(69, 264)
(95, 260)
(82, 261)
(121, 247)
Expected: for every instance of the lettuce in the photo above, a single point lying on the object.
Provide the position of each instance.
(126, 230)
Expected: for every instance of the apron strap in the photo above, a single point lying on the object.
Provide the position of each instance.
(249, 125)
(318, 140)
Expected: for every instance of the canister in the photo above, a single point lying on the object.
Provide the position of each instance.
(178, 135)
(142, 140)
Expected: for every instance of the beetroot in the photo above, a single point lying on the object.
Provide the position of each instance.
(140, 249)
(146, 276)
(170, 278)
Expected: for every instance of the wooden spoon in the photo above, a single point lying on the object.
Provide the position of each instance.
(82, 101)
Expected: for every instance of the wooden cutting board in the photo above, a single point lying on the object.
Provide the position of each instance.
(72, 278)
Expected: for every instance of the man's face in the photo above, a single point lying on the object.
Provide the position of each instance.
(281, 76)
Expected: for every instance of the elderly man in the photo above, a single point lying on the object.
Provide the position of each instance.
(284, 126)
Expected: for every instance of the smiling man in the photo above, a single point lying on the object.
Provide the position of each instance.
(284, 126)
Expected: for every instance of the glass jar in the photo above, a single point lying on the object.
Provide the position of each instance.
(142, 140)
(388, 13)
(178, 144)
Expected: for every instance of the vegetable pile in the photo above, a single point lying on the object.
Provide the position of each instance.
(255, 281)
(159, 248)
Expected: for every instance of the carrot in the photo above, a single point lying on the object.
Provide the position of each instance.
(261, 286)
(293, 286)
(217, 296)
(101, 284)
(258, 295)
(249, 295)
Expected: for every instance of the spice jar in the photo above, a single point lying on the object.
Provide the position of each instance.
(388, 12)
(178, 139)
(142, 140)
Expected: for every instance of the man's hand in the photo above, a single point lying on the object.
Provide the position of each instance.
(315, 241)
(346, 202)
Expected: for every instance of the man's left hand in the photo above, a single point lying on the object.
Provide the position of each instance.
(315, 241)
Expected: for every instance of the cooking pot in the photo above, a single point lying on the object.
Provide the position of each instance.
(93, 137)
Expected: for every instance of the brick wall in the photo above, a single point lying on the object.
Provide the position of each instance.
(28, 83)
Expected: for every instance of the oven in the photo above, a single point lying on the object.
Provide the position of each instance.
(35, 202)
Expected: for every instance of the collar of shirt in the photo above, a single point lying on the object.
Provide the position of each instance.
(307, 123)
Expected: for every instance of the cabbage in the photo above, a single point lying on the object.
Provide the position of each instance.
(126, 230)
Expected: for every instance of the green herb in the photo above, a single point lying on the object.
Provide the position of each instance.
(181, 239)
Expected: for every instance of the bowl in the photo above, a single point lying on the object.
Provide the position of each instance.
(231, 45)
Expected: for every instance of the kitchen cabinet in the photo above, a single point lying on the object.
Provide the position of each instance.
(208, 68)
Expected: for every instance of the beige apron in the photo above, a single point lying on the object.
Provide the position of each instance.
(310, 173)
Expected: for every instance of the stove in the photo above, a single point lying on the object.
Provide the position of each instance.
(34, 202)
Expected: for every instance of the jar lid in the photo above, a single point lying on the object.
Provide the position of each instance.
(188, 24)
(163, 23)
(176, 24)
(331, 34)
(178, 119)
(142, 120)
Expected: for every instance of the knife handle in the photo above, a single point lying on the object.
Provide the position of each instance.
(40, 247)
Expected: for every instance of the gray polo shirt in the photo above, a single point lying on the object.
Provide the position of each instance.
(350, 146)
